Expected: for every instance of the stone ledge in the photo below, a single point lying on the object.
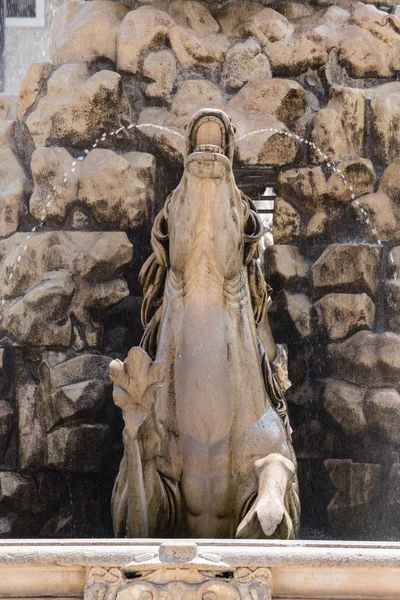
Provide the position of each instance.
(299, 570)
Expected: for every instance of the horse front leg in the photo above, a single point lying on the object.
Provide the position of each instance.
(274, 508)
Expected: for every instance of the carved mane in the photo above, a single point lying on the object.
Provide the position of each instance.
(154, 271)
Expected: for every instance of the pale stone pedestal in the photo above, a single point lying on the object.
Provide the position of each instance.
(208, 570)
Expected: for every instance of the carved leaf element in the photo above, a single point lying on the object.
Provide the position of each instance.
(136, 382)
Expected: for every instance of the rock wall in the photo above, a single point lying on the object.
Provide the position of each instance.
(79, 187)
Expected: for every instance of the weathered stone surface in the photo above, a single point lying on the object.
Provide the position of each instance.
(351, 177)
(14, 187)
(56, 185)
(6, 425)
(368, 47)
(317, 225)
(295, 10)
(291, 316)
(114, 189)
(367, 359)
(78, 448)
(243, 62)
(83, 32)
(193, 15)
(72, 390)
(303, 187)
(78, 107)
(286, 222)
(390, 181)
(284, 265)
(160, 67)
(28, 319)
(340, 315)
(379, 215)
(8, 108)
(339, 128)
(7, 134)
(117, 189)
(344, 403)
(17, 490)
(34, 83)
(384, 121)
(392, 304)
(307, 392)
(282, 99)
(69, 273)
(267, 25)
(382, 412)
(140, 31)
(346, 267)
(358, 494)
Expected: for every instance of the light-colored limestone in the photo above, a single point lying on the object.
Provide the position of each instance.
(358, 178)
(340, 315)
(344, 403)
(303, 187)
(284, 265)
(33, 84)
(339, 128)
(193, 15)
(14, 187)
(287, 222)
(160, 67)
(140, 31)
(347, 267)
(78, 107)
(118, 190)
(367, 359)
(282, 99)
(384, 119)
(85, 31)
(243, 62)
(72, 273)
(111, 186)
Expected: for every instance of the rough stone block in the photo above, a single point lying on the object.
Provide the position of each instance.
(340, 315)
(291, 316)
(60, 274)
(33, 85)
(346, 267)
(344, 403)
(339, 128)
(282, 99)
(359, 178)
(73, 390)
(358, 496)
(194, 16)
(79, 107)
(367, 359)
(284, 265)
(78, 448)
(141, 30)
(160, 67)
(85, 31)
(384, 122)
(382, 413)
(286, 225)
(14, 186)
(303, 187)
(243, 62)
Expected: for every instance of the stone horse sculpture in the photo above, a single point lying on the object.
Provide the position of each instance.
(207, 441)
